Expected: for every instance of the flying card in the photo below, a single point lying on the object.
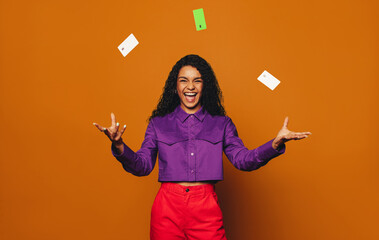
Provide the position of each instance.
(267, 79)
(128, 45)
(198, 14)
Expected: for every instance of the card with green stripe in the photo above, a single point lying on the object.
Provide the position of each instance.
(198, 14)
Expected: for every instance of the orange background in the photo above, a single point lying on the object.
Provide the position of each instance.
(60, 71)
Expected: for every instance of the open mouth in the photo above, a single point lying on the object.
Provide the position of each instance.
(190, 97)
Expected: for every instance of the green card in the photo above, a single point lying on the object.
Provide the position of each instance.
(198, 14)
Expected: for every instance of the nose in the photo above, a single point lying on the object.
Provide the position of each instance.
(190, 86)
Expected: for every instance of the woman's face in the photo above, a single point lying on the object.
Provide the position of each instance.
(189, 86)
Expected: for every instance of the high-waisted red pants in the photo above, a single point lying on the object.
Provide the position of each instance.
(186, 212)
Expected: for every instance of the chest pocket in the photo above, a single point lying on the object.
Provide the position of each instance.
(170, 139)
(210, 137)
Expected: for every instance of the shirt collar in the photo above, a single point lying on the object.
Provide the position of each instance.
(182, 115)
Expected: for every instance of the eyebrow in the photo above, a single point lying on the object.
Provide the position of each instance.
(187, 78)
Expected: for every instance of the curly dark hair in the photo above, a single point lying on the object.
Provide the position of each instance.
(211, 98)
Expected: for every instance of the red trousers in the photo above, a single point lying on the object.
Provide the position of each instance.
(186, 212)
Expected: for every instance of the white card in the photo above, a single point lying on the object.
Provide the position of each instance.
(267, 79)
(128, 44)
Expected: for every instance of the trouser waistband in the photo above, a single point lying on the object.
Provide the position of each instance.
(185, 190)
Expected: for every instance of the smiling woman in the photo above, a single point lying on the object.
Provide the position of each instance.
(189, 68)
(189, 130)
(189, 87)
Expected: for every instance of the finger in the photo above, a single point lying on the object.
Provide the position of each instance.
(298, 134)
(303, 133)
(113, 117)
(122, 130)
(106, 131)
(301, 136)
(293, 136)
(117, 125)
(99, 127)
(285, 124)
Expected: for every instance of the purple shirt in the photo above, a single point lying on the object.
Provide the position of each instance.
(190, 148)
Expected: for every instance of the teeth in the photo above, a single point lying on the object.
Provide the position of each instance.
(190, 94)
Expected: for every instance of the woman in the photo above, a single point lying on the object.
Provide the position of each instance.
(190, 130)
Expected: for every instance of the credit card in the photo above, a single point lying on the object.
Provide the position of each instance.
(267, 79)
(128, 44)
(198, 14)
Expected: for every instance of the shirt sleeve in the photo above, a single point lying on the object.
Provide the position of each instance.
(243, 158)
(142, 162)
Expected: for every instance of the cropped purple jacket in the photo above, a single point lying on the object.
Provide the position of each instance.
(190, 147)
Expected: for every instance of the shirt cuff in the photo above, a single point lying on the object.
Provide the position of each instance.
(127, 154)
(267, 152)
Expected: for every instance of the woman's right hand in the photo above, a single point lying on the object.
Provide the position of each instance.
(113, 132)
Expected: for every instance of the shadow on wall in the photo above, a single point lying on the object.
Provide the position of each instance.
(241, 199)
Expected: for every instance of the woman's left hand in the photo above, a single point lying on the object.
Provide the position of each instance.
(286, 135)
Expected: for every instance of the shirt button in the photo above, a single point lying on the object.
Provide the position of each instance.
(187, 190)
(191, 154)
(192, 171)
